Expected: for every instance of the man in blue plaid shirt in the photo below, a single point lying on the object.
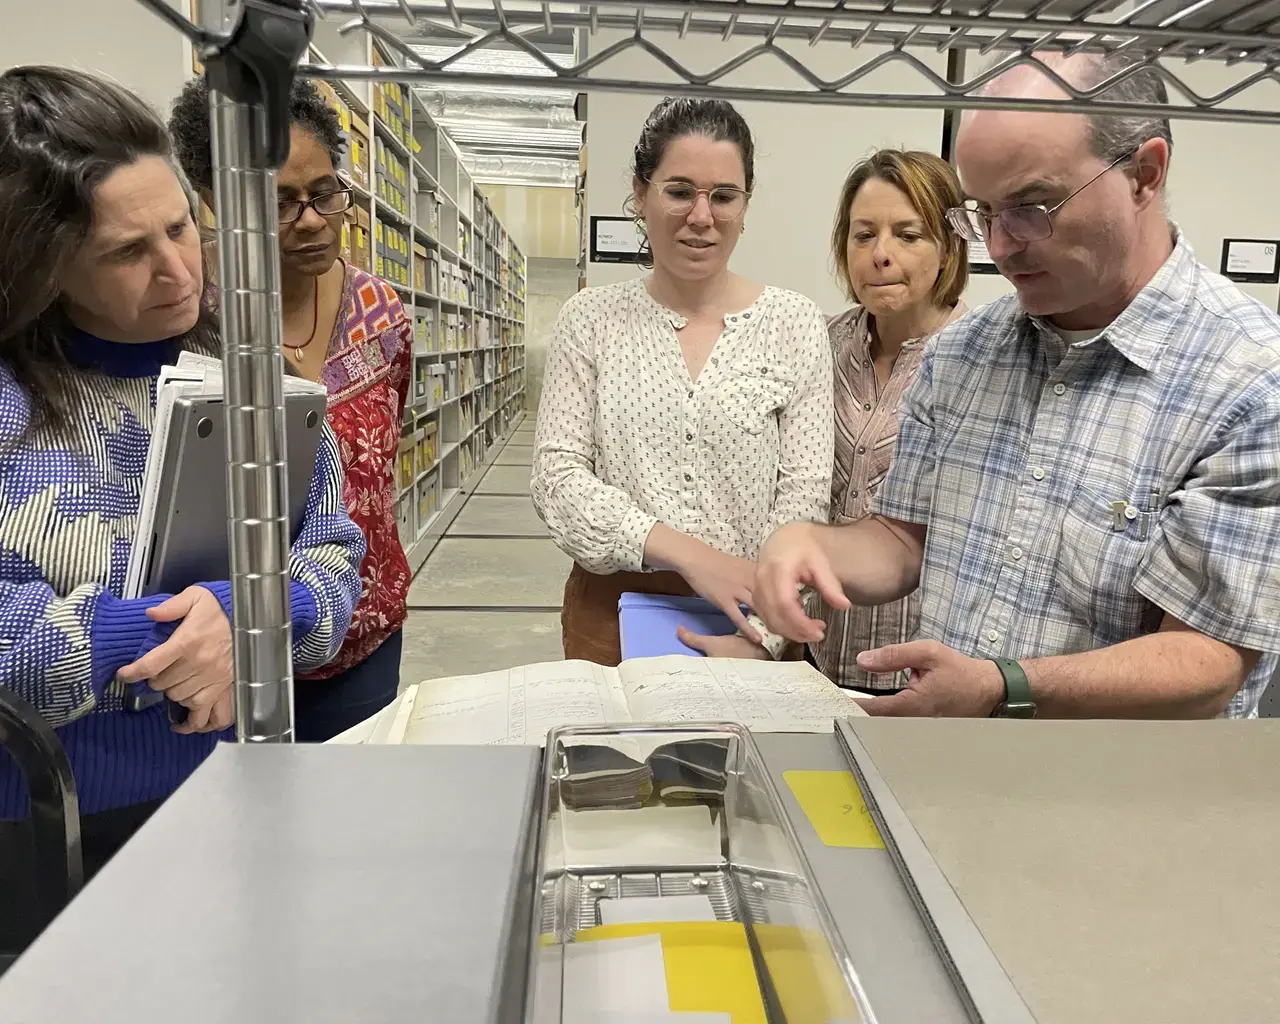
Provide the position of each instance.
(1086, 485)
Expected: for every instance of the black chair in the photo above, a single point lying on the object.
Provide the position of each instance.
(55, 812)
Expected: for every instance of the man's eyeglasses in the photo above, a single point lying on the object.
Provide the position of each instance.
(326, 204)
(1030, 222)
(678, 198)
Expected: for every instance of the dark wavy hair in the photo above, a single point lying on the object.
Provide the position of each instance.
(62, 133)
(674, 118)
(189, 126)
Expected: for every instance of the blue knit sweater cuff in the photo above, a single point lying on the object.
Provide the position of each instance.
(302, 605)
(120, 628)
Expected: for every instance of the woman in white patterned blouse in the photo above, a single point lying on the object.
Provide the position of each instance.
(685, 415)
(905, 271)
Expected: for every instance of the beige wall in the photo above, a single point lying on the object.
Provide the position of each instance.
(118, 38)
(1222, 182)
(551, 283)
(543, 221)
(544, 224)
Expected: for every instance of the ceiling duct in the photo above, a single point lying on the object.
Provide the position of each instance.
(549, 108)
(506, 135)
(506, 169)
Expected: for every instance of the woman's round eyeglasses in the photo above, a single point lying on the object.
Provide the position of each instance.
(326, 204)
(1029, 222)
(727, 202)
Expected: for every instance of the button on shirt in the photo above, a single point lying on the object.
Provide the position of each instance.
(1071, 502)
(626, 440)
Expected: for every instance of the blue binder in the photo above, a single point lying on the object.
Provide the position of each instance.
(647, 624)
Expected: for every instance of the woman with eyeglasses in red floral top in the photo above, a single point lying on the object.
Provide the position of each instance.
(349, 330)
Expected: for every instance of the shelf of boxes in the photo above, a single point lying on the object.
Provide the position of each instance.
(420, 222)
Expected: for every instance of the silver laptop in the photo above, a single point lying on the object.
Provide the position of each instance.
(190, 544)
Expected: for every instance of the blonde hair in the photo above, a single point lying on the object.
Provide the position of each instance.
(931, 185)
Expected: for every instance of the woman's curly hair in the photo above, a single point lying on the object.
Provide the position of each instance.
(189, 126)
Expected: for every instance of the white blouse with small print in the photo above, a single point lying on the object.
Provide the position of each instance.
(626, 439)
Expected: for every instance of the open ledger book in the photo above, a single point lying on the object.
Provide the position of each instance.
(521, 705)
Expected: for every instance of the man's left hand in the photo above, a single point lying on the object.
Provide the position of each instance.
(736, 646)
(943, 683)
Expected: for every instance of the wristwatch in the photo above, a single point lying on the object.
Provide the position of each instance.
(1017, 701)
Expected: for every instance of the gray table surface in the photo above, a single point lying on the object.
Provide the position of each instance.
(306, 883)
(375, 884)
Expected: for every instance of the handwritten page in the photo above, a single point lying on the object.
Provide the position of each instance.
(520, 705)
(789, 696)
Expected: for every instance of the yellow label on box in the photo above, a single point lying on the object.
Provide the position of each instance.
(835, 808)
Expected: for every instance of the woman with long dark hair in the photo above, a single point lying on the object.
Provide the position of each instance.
(687, 414)
(101, 284)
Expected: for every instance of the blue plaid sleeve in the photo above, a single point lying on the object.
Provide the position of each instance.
(1214, 561)
(907, 492)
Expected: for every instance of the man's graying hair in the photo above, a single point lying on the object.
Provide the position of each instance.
(1112, 136)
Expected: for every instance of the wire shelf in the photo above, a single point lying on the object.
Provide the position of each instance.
(1165, 35)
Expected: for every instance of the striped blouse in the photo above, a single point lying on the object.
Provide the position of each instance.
(866, 420)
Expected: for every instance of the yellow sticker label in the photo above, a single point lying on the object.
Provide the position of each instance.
(835, 808)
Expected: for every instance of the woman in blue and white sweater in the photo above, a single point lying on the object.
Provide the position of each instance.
(101, 284)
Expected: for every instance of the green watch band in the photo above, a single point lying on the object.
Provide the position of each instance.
(1017, 701)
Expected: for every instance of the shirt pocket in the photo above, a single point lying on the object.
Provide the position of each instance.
(751, 396)
(1098, 564)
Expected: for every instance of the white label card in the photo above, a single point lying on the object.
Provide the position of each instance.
(1251, 257)
(618, 237)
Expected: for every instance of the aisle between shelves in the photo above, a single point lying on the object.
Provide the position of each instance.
(420, 223)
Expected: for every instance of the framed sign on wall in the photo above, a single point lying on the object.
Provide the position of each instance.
(615, 240)
(1251, 260)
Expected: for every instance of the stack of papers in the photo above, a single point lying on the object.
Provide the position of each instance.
(194, 376)
(603, 776)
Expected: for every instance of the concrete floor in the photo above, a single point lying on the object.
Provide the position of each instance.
(488, 597)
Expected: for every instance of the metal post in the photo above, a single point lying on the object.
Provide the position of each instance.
(250, 81)
(250, 50)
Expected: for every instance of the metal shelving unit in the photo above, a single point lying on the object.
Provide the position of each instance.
(461, 279)
(879, 33)
(361, 43)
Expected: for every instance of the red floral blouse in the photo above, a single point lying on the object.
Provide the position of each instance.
(367, 376)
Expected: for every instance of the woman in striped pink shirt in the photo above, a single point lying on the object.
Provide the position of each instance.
(905, 273)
